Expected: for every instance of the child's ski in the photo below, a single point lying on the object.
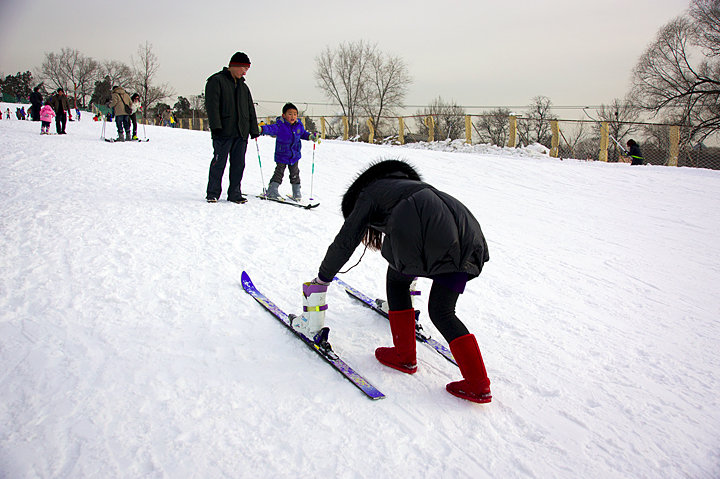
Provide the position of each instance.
(376, 305)
(325, 351)
(308, 206)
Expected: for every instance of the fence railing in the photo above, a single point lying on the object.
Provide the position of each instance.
(661, 144)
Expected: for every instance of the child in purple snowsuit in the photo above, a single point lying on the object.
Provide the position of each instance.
(288, 131)
(46, 116)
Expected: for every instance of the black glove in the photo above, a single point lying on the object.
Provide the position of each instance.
(216, 132)
(254, 135)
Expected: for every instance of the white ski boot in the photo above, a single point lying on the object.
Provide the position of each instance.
(311, 323)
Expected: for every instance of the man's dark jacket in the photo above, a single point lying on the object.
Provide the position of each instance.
(60, 104)
(230, 108)
(427, 232)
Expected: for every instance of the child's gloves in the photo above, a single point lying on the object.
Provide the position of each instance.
(314, 137)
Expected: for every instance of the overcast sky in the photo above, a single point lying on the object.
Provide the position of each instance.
(471, 52)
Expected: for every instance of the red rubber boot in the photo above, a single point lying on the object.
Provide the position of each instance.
(403, 356)
(476, 385)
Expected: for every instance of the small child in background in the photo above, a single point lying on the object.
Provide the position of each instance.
(288, 131)
(46, 116)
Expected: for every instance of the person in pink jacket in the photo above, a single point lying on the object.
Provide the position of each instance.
(46, 116)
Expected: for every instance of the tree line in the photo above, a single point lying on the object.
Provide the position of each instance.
(88, 82)
(675, 81)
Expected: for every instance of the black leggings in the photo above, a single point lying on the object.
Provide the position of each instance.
(441, 304)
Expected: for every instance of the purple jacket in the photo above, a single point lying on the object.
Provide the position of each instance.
(287, 142)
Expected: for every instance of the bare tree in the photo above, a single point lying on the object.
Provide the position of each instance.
(619, 115)
(706, 16)
(668, 77)
(72, 71)
(492, 127)
(145, 68)
(573, 140)
(536, 123)
(342, 75)
(449, 119)
(386, 87)
(118, 73)
(51, 71)
(197, 103)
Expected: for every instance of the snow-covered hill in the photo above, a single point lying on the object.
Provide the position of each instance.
(129, 349)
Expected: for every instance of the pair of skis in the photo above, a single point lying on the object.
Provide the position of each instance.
(290, 201)
(324, 349)
(139, 140)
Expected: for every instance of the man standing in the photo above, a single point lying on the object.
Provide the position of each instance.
(61, 105)
(36, 102)
(231, 115)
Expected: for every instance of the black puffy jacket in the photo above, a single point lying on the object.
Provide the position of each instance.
(426, 231)
(230, 108)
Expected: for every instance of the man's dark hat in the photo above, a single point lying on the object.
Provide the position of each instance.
(239, 60)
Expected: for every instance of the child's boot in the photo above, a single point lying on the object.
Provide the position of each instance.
(297, 196)
(476, 385)
(403, 355)
(272, 191)
(311, 323)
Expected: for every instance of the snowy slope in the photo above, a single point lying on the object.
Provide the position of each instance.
(128, 348)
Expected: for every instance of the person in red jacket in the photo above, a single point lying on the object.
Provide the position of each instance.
(421, 232)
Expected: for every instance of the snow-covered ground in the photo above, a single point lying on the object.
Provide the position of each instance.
(129, 349)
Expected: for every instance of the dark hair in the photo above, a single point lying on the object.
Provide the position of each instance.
(289, 106)
(135, 95)
(631, 142)
(372, 239)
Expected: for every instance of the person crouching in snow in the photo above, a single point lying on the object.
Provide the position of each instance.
(420, 231)
(288, 131)
(46, 116)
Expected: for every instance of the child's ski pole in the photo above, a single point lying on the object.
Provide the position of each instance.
(260, 163)
(102, 135)
(312, 173)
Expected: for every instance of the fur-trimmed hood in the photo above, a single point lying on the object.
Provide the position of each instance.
(376, 171)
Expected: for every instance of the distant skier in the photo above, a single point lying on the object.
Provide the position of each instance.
(288, 131)
(36, 100)
(46, 116)
(427, 233)
(634, 153)
(61, 106)
(120, 102)
(135, 106)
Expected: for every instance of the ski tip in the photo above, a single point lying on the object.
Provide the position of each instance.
(245, 277)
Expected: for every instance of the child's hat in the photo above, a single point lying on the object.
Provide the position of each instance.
(239, 60)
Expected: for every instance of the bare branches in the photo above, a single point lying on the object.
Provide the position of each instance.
(359, 77)
(145, 67)
(492, 127)
(679, 73)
